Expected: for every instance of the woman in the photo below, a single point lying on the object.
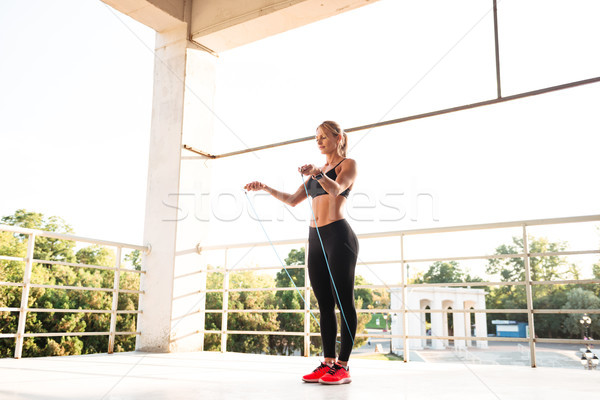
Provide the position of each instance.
(329, 187)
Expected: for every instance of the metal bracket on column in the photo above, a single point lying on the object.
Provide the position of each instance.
(197, 46)
(201, 152)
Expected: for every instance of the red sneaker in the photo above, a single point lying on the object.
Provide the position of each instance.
(336, 375)
(317, 373)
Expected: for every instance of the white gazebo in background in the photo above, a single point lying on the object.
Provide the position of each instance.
(442, 301)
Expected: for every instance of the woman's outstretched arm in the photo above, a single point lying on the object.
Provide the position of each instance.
(289, 199)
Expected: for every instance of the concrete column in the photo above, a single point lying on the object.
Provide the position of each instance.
(468, 326)
(437, 324)
(481, 323)
(459, 328)
(176, 213)
(413, 320)
(397, 323)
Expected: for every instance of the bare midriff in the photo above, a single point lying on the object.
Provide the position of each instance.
(327, 209)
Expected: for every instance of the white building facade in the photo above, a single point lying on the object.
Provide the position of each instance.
(450, 313)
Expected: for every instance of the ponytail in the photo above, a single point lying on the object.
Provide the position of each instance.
(343, 145)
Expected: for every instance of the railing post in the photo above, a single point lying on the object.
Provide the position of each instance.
(225, 305)
(25, 296)
(306, 304)
(403, 282)
(115, 302)
(528, 293)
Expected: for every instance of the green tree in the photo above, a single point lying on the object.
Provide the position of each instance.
(581, 299)
(545, 268)
(241, 321)
(445, 272)
(135, 259)
(50, 298)
(292, 300)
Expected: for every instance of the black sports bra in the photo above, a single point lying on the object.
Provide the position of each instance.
(315, 189)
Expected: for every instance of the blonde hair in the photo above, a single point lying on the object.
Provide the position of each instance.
(335, 129)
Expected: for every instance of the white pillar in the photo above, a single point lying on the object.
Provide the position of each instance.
(413, 320)
(468, 327)
(176, 219)
(437, 325)
(481, 323)
(423, 326)
(458, 318)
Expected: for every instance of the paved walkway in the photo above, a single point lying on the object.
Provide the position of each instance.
(213, 376)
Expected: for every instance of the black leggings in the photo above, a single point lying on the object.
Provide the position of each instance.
(341, 247)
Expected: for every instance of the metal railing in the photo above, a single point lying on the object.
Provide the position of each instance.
(26, 284)
(402, 261)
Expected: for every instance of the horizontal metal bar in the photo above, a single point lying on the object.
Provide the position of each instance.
(485, 226)
(94, 289)
(564, 253)
(183, 296)
(190, 274)
(278, 333)
(244, 245)
(383, 286)
(11, 284)
(64, 236)
(566, 311)
(80, 311)
(186, 315)
(566, 282)
(233, 153)
(9, 309)
(571, 341)
(253, 333)
(87, 266)
(390, 336)
(7, 335)
(8, 258)
(236, 270)
(265, 268)
(55, 334)
(427, 310)
(175, 339)
(85, 288)
(378, 262)
(484, 257)
(275, 289)
(424, 231)
(254, 311)
(408, 118)
(470, 284)
(478, 104)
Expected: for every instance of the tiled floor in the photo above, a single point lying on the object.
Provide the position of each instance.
(211, 376)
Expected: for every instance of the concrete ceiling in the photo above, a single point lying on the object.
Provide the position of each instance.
(220, 25)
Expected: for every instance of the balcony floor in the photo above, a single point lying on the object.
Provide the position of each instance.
(213, 376)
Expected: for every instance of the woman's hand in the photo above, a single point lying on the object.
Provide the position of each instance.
(255, 186)
(309, 169)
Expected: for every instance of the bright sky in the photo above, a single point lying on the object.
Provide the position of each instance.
(76, 95)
